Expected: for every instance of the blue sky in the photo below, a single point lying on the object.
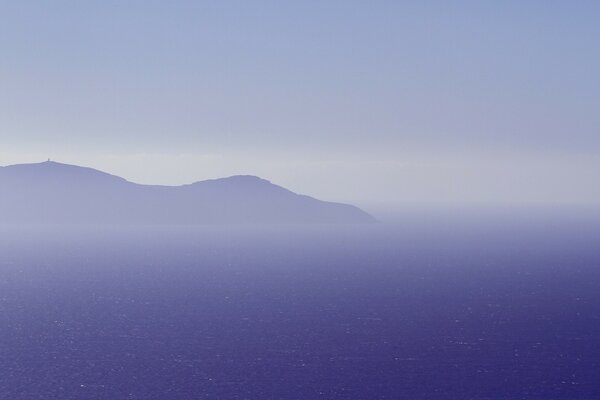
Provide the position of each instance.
(379, 102)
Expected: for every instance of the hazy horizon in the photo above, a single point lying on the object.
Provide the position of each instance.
(387, 103)
(429, 229)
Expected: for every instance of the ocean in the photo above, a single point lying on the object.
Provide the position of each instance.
(503, 306)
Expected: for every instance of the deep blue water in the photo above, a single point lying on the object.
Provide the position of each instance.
(492, 309)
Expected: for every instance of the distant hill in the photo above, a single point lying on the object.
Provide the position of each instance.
(55, 193)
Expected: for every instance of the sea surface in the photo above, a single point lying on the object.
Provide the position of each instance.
(503, 306)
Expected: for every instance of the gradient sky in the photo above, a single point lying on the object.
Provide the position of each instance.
(371, 102)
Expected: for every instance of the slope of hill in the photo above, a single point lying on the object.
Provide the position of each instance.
(51, 192)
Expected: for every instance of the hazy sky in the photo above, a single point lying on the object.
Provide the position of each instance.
(360, 101)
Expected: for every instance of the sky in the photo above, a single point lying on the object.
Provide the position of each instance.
(370, 102)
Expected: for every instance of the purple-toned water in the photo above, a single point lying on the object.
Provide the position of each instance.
(445, 310)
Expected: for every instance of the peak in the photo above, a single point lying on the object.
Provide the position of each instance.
(53, 169)
(48, 166)
(247, 178)
(236, 179)
(43, 164)
(54, 164)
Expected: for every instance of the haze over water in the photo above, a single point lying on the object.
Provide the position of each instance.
(461, 307)
(438, 108)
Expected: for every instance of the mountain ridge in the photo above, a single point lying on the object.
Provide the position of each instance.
(52, 192)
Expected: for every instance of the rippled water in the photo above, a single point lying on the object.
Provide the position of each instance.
(494, 310)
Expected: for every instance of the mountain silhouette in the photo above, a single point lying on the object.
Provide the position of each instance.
(51, 193)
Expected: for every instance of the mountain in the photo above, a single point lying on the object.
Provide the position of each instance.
(51, 192)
